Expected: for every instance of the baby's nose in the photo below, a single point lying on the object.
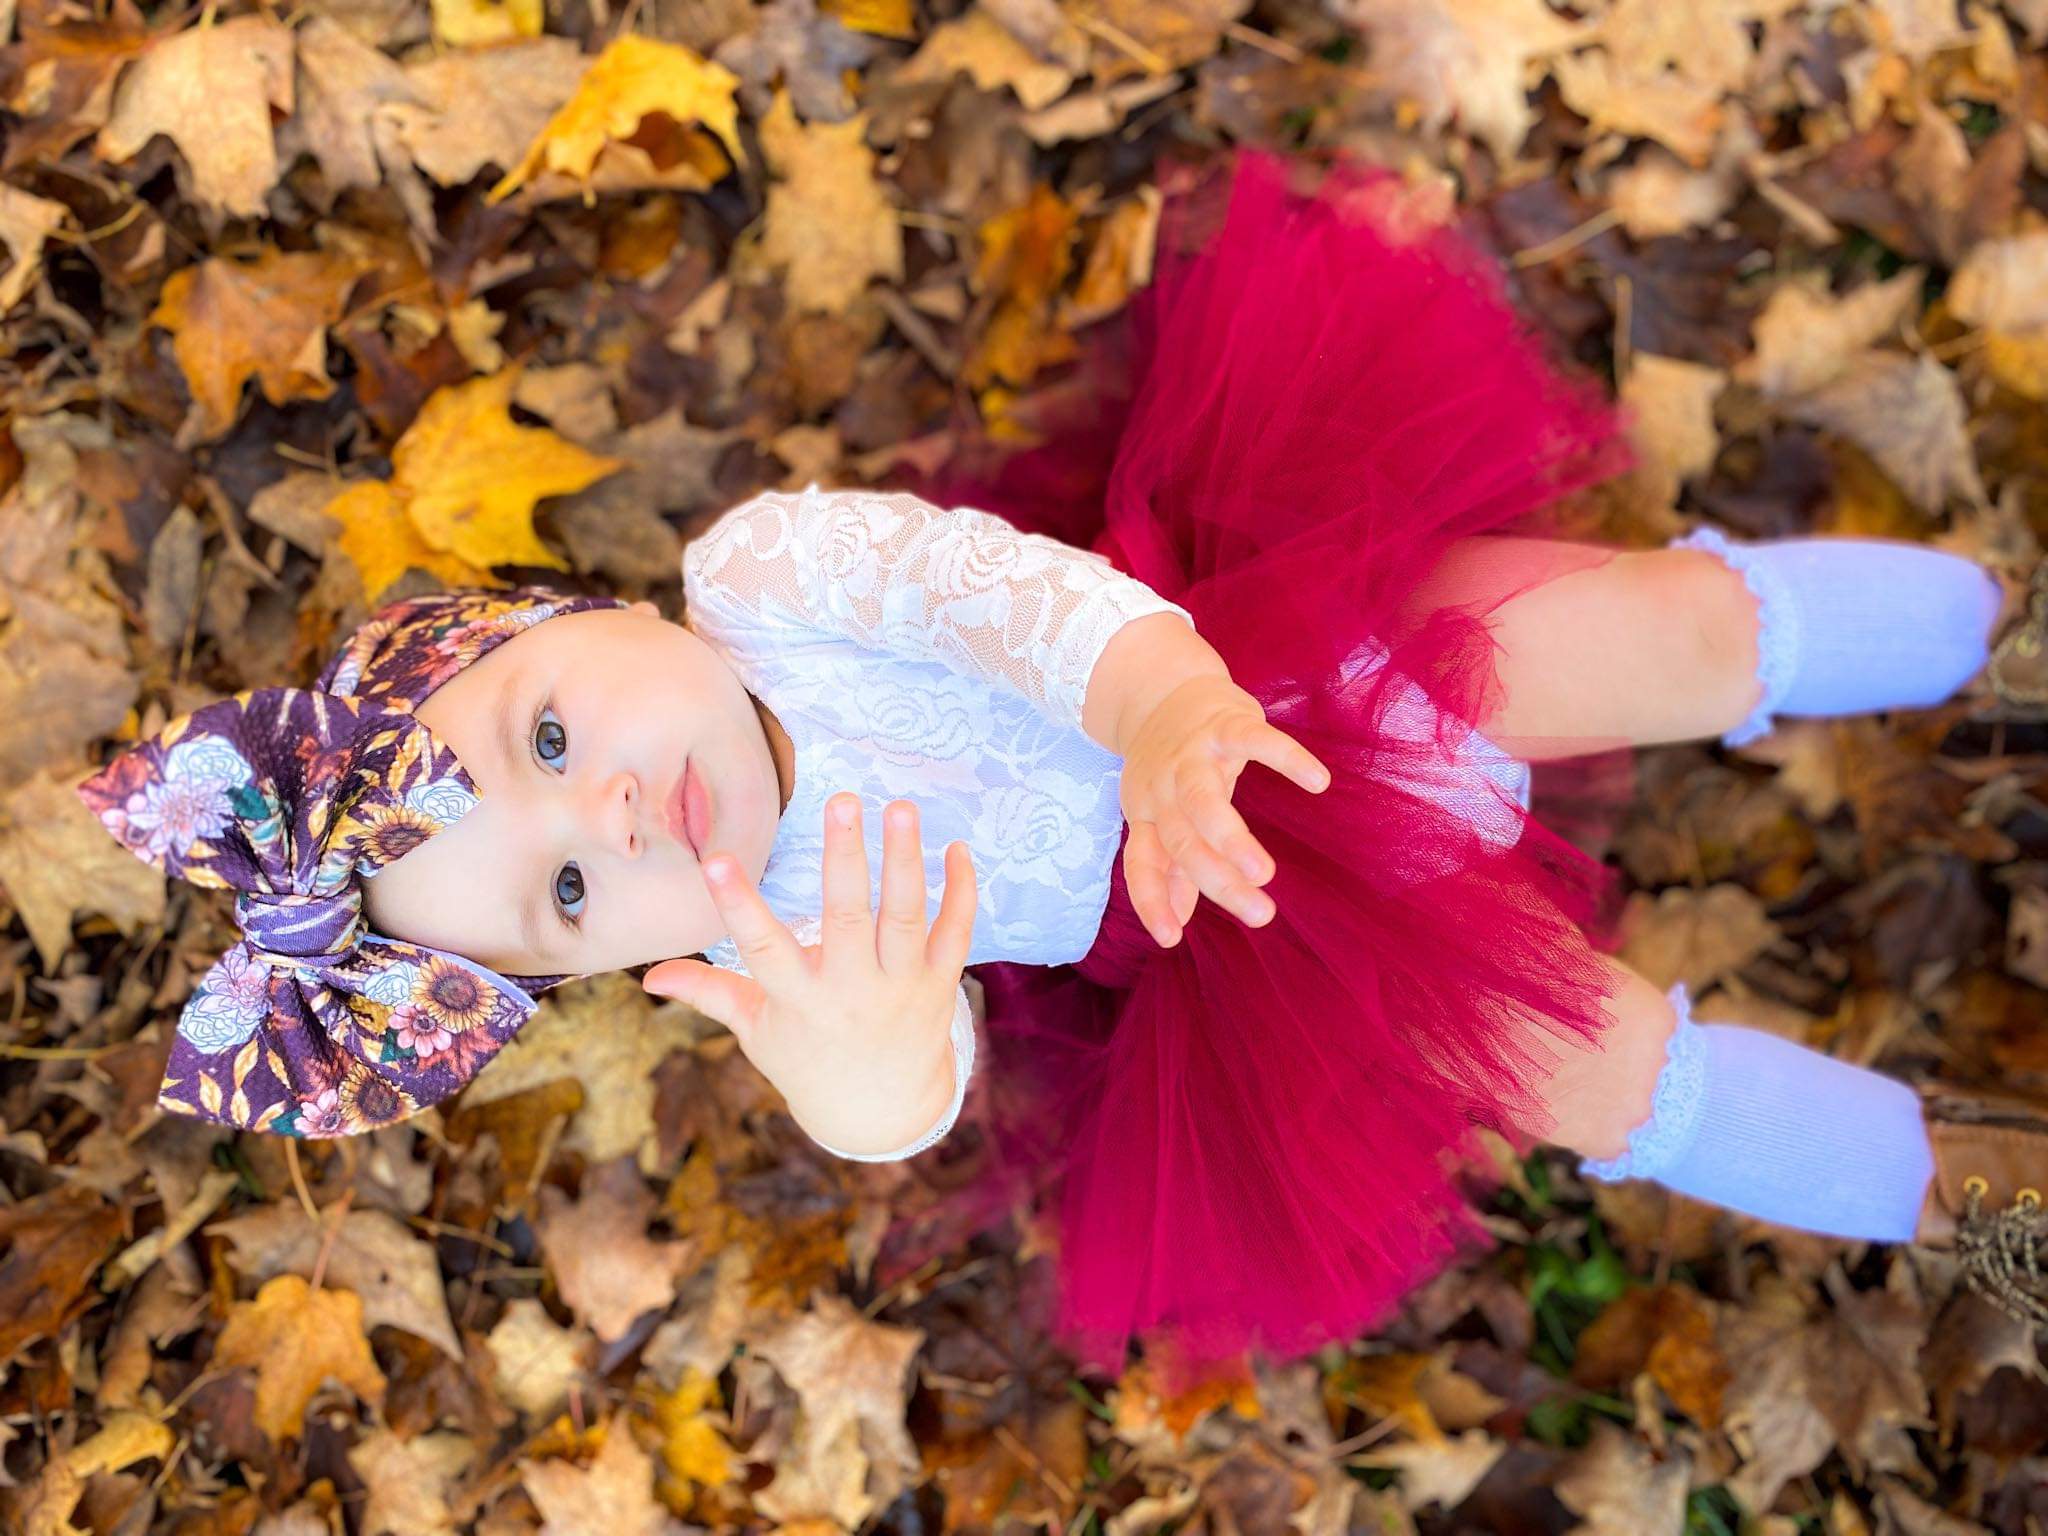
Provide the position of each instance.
(624, 804)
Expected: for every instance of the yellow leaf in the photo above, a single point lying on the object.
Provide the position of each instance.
(468, 23)
(2019, 360)
(231, 321)
(636, 78)
(828, 219)
(692, 1449)
(469, 475)
(297, 1337)
(381, 542)
(885, 18)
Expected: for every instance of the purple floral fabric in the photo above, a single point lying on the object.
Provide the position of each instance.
(311, 1024)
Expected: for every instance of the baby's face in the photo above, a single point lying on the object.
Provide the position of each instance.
(576, 733)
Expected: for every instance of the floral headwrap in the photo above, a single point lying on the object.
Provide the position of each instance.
(312, 1025)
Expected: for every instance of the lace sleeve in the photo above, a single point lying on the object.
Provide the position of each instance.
(893, 572)
(726, 955)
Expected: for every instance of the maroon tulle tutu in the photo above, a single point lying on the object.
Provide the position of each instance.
(1258, 1139)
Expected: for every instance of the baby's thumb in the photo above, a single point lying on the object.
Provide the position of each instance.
(712, 992)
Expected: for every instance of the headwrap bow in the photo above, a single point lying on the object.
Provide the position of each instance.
(311, 1024)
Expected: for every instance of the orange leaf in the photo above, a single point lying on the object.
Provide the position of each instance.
(297, 1337)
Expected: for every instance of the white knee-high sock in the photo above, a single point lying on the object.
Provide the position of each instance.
(1762, 1125)
(1849, 625)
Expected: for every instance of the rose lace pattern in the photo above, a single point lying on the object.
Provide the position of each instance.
(1655, 1146)
(937, 655)
(1777, 640)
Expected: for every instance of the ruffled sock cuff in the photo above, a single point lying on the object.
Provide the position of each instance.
(1777, 640)
(1655, 1146)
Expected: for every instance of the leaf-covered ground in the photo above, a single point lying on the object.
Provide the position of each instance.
(310, 307)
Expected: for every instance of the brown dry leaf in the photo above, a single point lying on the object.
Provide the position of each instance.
(382, 543)
(57, 861)
(2003, 284)
(1682, 115)
(537, 1359)
(296, 1338)
(1708, 42)
(392, 1270)
(125, 1439)
(479, 23)
(1696, 937)
(1806, 337)
(50, 1247)
(1444, 1473)
(982, 48)
(851, 1455)
(408, 1481)
(1658, 194)
(1147, 38)
(469, 476)
(26, 224)
(232, 321)
(1907, 413)
(1622, 1489)
(634, 82)
(1464, 60)
(810, 54)
(1770, 1415)
(609, 1034)
(829, 223)
(613, 1496)
(210, 90)
(619, 526)
(608, 1269)
(1672, 406)
(478, 109)
(343, 85)
(59, 79)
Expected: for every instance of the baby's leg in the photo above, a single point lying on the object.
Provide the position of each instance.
(1715, 638)
(1740, 1117)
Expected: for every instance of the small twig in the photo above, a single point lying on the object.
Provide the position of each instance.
(1121, 40)
(1256, 39)
(59, 1052)
(291, 1161)
(1536, 255)
(340, 1209)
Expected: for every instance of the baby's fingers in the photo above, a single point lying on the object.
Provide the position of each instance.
(1268, 744)
(1218, 878)
(1148, 877)
(1209, 807)
(952, 932)
(770, 950)
(730, 998)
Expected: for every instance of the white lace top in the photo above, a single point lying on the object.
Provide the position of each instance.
(939, 656)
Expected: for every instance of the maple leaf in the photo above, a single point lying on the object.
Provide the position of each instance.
(26, 224)
(537, 1359)
(1806, 337)
(1907, 414)
(59, 79)
(409, 1480)
(1682, 115)
(56, 861)
(1672, 409)
(1621, 1488)
(829, 221)
(613, 1496)
(50, 1245)
(608, 1269)
(232, 321)
(634, 80)
(469, 475)
(693, 1451)
(344, 85)
(988, 53)
(809, 53)
(1464, 59)
(210, 90)
(381, 542)
(296, 1338)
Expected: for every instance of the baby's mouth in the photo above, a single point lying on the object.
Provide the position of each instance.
(687, 809)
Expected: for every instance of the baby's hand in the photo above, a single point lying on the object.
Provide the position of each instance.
(855, 1030)
(1180, 766)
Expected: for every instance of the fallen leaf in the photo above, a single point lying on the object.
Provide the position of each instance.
(343, 85)
(636, 79)
(808, 53)
(2003, 284)
(694, 1451)
(408, 1481)
(1671, 403)
(609, 1271)
(26, 224)
(468, 476)
(1907, 414)
(57, 861)
(51, 1245)
(613, 1496)
(210, 90)
(829, 223)
(979, 46)
(609, 1034)
(1622, 1489)
(297, 1338)
(1682, 115)
(475, 23)
(1444, 1474)
(383, 543)
(59, 78)
(537, 1359)
(1696, 937)
(391, 1269)
(1465, 60)
(851, 1375)
(232, 321)
(1806, 337)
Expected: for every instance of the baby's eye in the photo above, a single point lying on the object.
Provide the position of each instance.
(550, 738)
(569, 889)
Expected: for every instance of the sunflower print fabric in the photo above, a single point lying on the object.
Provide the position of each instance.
(311, 1024)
